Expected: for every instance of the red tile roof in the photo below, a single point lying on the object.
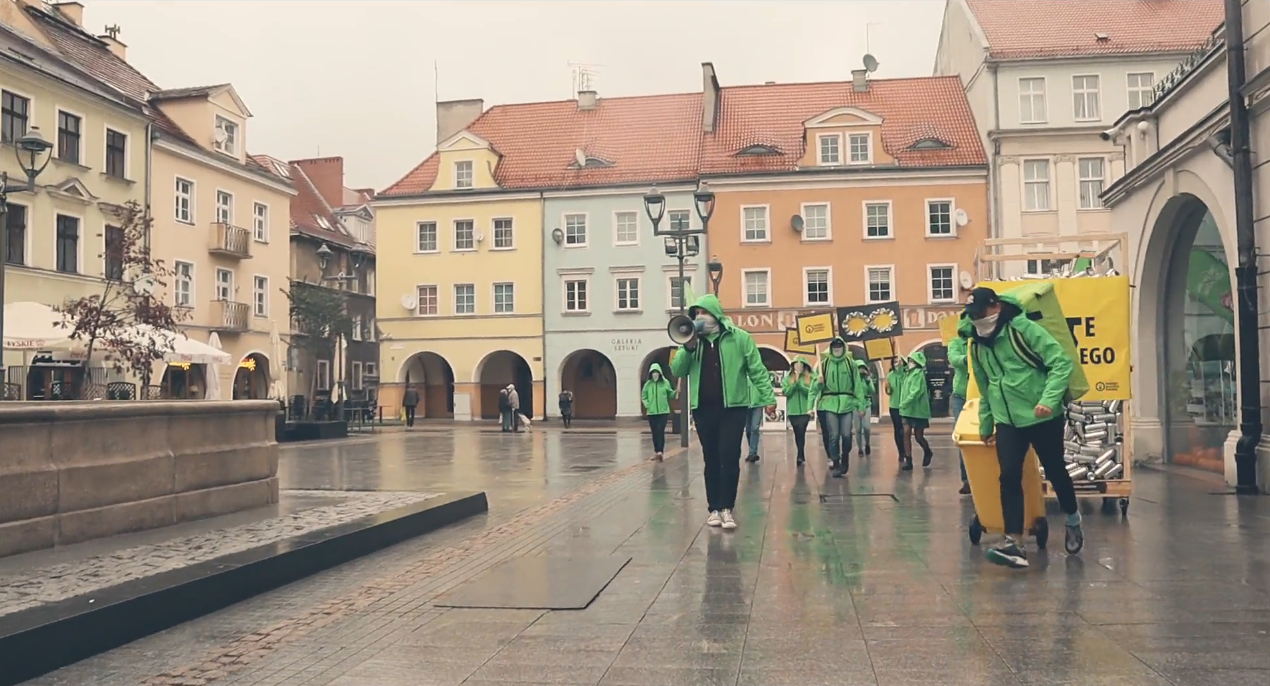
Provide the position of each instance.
(773, 115)
(1066, 28)
(307, 205)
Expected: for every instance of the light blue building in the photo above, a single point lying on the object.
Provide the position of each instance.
(609, 290)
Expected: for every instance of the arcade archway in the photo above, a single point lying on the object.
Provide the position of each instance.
(593, 380)
(662, 358)
(251, 379)
(433, 377)
(184, 381)
(495, 372)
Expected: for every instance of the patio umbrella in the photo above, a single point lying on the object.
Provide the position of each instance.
(213, 370)
(34, 326)
(339, 394)
(277, 381)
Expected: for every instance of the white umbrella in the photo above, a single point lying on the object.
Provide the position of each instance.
(277, 380)
(34, 326)
(213, 370)
(339, 394)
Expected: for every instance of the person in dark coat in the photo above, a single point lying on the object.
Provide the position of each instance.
(410, 401)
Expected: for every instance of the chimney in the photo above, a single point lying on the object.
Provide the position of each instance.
(327, 176)
(860, 80)
(455, 115)
(588, 100)
(111, 39)
(709, 97)
(71, 11)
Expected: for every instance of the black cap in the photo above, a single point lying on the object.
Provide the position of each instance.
(980, 300)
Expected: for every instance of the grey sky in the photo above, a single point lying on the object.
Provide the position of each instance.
(355, 78)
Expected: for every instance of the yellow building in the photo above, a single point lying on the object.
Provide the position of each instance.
(460, 277)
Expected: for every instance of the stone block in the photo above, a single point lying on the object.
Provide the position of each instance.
(26, 494)
(27, 535)
(110, 479)
(85, 525)
(212, 502)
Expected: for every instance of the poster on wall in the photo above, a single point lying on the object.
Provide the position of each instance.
(868, 322)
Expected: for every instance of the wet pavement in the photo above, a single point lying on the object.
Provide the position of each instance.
(864, 580)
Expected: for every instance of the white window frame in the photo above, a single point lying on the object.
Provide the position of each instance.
(586, 229)
(617, 236)
(230, 146)
(356, 328)
(493, 233)
(930, 283)
(371, 369)
(564, 293)
(454, 304)
(436, 289)
(868, 148)
(671, 306)
(1044, 100)
(952, 218)
(230, 219)
(1081, 180)
(493, 297)
(1049, 183)
(890, 220)
(828, 284)
(1143, 93)
(436, 238)
(323, 374)
(357, 375)
(767, 222)
(257, 290)
(670, 224)
(80, 159)
(227, 285)
(454, 234)
(802, 209)
(188, 197)
(260, 229)
(1084, 93)
(471, 174)
(745, 300)
(639, 292)
(176, 280)
(890, 268)
(820, 155)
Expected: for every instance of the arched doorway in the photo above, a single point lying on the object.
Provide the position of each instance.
(433, 377)
(495, 372)
(939, 375)
(593, 380)
(777, 365)
(184, 381)
(661, 357)
(251, 379)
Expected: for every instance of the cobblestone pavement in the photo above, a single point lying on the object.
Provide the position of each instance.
(867, 580)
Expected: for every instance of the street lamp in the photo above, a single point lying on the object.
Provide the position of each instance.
(681, 243)
(29, 149)
(716, 273)
(324, 254)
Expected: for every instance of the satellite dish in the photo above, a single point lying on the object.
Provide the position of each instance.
(479, 237)
(961, 217)
(796, 223)
(220, 136)
(967, 281)
(144, 285)
(580, 157)
(409, 302)
(870, 63)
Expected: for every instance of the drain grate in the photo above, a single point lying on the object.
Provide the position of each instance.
(842, 498)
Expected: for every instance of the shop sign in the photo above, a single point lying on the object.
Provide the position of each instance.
(927, 318)
(921, 318)
(627, 345)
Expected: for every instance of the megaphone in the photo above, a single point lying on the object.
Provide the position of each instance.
(682, 329)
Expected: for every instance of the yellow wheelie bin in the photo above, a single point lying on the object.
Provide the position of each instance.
(984, 473)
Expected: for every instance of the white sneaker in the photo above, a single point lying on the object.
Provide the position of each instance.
(728, 521)
(714, 519)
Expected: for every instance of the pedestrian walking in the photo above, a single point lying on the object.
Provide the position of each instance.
(800, 402)
(1023, 374)
(566, 408)
(410, 401)
(720, 362)
(915, 409)
(894, 380)
(513, 400)
(657, 395)
(961, 380)
(504, 410)
(841, 395)
(864, 428)
(754, 422)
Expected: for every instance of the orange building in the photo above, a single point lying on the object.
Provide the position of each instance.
(832, 195)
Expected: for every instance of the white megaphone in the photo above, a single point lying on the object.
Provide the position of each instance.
(682, 329)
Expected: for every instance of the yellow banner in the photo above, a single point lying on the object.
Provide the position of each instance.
(880, 349)
(792, 345)
(948, 328)
(815, 328)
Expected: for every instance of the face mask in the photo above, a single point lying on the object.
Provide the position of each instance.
(912, 364)
(985, 326)
(838, 352)
(656, 376)
(707, 324)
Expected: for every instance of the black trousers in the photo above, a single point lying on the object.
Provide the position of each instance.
(567, 417)
(410, 415)
(897, 426)
(657, 423)
(800, 433)
(720, 431)
(1013, 442)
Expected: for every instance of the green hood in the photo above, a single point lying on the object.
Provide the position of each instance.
(806, 363)
(657, 395)
(920, 358)
(914, 400)
(800, 398)
(966, 327)
(654, 367)
(828, 353)
(710, 304)
(861, 363)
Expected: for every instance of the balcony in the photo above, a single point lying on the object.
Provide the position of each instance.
(230, 241)
(229, 316)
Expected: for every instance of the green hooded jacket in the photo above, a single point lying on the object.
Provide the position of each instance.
(895, 380)
(1012, 378)
(739, 361)
(657, 394)
(838, 383)
(870, 386)
(914, 391)
(800, 396)
(756, 393)
(961, 373)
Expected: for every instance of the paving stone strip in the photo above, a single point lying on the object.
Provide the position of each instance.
(82, 577)
(247, 650)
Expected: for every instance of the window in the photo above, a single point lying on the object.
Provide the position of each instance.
(815, 222)
(680, 220)
(463, 174)
(224, 285)
(324, 375)
(427, 297)
(1036, 185)
(939, 220)
(260, 222)
(464, 298)
(356, 328)
(226, 140)
(15, 234)
(754, 224)
(503, 235)
(817, 286)
(1085, 104)
(1032, 101)
(372, 369)
(67, 244)
(626, 228)
(183, 277)
(830, 149)
(941, 283)
(260, 295)
(224, 207)
(677, 291)
(1092, 178)
(116, 154)
(322, 222)
(357, 376)
(113, 256)
(628, 294)
(464, 234)
(877, 220)
(859, 146)
(1140, 87)
(575, 229)
(69, 137)
(575, 295)
(426, 234)
(504, 298)
(184, 200)
(15, 112)
(756, 288)
(1045, 266)
(878, 289)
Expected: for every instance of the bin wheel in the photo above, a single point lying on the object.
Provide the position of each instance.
(976, 530)
(1108, 506)
(1042, 533)
(1124, 507)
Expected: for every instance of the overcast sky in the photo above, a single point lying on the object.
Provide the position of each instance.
(355, 77)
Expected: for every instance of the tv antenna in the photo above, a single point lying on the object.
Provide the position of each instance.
(583, 76)
(870, 62)
(113, 31)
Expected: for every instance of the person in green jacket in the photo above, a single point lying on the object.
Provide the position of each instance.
(754, 423)
(657, 395)
(894, 381)
(800, 402)
(841, 395)
(961, 379)
(1022, 373)
(864, 431)
(721, 362)
(915, 409)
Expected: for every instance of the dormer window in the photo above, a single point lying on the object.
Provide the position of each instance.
(929, 144)
(591, 163)
(759, 149)
(860, 146)
(282, 169)
(830, 149)
(463, 174)
(322, 222)
(226, 136)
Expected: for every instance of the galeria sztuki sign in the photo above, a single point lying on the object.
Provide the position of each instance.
(870, 322)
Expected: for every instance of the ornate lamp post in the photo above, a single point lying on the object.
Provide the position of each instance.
(716, 273)
(30, 148)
